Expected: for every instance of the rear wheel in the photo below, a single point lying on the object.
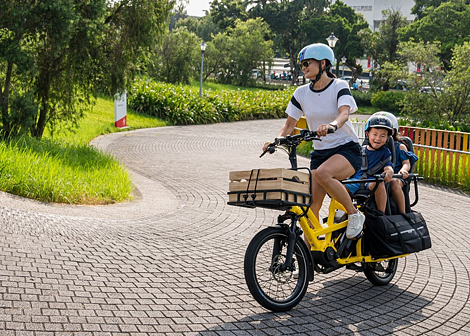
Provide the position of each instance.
(381, 273)
(271, 284)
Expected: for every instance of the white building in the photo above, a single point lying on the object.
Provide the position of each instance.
(372, 9)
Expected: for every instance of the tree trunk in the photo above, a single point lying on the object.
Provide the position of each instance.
(44, 84)
(5, 96)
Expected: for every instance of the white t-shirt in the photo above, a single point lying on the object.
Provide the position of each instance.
(321, 107)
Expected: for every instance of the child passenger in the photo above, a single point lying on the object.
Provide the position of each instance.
(378, 130)
(404, 160)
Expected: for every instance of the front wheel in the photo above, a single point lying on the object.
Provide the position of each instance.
(274, 286)
(381, 273)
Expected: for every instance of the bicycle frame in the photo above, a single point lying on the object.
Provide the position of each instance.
(327, 230)
(322, 237)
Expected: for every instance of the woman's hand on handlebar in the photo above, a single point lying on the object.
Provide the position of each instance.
(325, 129)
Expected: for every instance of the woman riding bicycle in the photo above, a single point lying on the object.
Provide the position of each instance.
(326, 103)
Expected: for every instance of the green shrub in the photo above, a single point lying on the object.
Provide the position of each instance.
(181, 105)
(390, 101)
(362, 98)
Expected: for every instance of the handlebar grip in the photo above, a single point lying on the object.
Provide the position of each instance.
(271, 149)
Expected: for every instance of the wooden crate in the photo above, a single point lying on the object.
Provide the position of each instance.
(272, 187)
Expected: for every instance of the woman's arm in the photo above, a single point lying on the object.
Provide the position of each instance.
(286, 129)
(340, 120)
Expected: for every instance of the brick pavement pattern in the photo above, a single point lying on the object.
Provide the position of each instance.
(171, 261)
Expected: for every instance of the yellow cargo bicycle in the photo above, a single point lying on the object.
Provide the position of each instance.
(278, 264)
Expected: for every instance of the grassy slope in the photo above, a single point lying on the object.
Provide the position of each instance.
(63, 168)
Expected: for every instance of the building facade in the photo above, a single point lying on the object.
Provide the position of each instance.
(372, 9)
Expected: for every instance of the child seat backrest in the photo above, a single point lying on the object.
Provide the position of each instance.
(406, 188)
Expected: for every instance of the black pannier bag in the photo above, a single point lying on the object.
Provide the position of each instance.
(393, 235)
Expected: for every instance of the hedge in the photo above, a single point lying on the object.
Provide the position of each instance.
(180, 105)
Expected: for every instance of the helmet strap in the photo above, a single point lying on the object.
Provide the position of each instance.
(317, 78)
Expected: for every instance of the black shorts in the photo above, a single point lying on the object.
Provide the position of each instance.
(351, 151)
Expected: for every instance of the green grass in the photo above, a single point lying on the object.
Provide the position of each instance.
(367, 110)
(100, 121)
(60, 172)
(62, 168)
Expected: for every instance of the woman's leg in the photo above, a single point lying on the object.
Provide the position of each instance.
(318, 195)
(328, 177)
(396, 186)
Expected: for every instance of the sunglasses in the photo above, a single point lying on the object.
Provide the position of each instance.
(305, 64)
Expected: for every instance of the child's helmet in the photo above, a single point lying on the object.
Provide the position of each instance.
(390, 116)
(379, 122)
(317, 51)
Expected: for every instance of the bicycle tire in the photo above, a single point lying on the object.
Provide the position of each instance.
(272, 288)
(378, 278)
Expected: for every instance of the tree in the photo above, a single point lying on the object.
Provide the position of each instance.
(457, 88)
(345, 23)
(448, 96)
(203, 27)
(177, 57)
(249, 48)
(225, 13)
(382, 45)
(449, 23)
(283, 19)
(58, 43)
(232, 55)
(57, 53)
(421, 5)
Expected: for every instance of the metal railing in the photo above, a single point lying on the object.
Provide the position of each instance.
(444, 156)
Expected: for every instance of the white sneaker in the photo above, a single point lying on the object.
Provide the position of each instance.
(355, 225)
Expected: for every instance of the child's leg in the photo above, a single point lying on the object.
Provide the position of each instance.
(380, 196)
(396, 186)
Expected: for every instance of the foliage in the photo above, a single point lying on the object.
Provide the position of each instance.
(233, 55)
(225, 13)
(182, 105)
(176, 58)
(362, 98)
(283, 19)
(249, 49)
(447, 100)
(203, 27)
(389, 101)
(421, 5)
(447, 23)
(346, 24)
(382, 44)
(54, 54)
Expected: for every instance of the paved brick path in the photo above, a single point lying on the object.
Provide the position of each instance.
(171, 262)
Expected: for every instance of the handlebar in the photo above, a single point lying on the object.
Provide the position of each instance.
(293, 140)
(380, 178)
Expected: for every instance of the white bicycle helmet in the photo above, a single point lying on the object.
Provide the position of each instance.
(390, 116)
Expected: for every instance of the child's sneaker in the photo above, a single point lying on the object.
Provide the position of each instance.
(355, 225)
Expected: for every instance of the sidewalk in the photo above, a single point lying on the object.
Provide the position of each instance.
(171, 261)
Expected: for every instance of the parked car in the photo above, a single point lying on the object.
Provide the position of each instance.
(429, 89)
